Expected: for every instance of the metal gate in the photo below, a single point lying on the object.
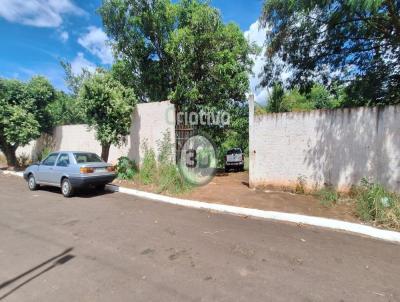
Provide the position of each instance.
(182, 134)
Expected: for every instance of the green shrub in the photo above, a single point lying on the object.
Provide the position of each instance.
(126, 168)
(328, 196)
(165, 149)
(44, 153)
(148, 170)
(171, 180)
(375, 204)
(23, 160)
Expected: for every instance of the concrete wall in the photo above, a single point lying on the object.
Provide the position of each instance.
(150, 122)
(326, 147)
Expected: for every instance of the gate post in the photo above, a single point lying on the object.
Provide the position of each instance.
(252, 151)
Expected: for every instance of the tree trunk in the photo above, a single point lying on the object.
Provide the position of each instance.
(105, 150)
(9, 152)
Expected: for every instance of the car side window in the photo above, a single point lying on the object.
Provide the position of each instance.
(50, 160)
(63, 160)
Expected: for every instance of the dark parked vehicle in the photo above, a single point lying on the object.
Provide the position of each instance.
(69, 170)
(234, 159)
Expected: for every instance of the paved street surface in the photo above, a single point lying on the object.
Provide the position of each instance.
(113, 247)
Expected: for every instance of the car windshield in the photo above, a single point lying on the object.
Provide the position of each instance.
(82, 158)
(234, 151)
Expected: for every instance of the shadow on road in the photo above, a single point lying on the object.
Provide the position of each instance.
(59, 259)
(83, 193)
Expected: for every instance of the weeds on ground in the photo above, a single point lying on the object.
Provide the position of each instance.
(328, 196)
(126, 168)
(301, 185)
(148, 170)
(23, 160)
(161, 172)
(377, 205)
(170, 180)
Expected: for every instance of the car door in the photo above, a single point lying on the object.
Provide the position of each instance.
(61, 167)
(46, 169)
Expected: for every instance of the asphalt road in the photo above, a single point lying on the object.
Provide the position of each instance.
(113, 247)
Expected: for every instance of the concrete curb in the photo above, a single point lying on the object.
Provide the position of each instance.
(288, 217)
(13, 173)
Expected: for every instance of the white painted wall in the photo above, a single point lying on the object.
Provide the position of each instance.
(150, 122)
(334, 147)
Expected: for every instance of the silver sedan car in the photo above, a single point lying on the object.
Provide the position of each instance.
(70, 170)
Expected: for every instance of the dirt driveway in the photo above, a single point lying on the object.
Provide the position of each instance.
(233, 189)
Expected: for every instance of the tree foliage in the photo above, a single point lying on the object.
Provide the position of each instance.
(74, 81)
(23, 113)
(355, 43)
(65, 110)
(319, 97)
(181, 51)
(276, 100)
(107, 106)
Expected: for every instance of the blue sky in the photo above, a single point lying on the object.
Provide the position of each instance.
(38, 33)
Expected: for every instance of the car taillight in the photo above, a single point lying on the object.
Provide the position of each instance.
(242, 156)
(111, 169)
(226, 157)
(86, 170)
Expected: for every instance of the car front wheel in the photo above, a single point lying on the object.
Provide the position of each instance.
(66, 188)
(32, 183)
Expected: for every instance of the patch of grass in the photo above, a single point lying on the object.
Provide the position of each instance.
(328, 197)
(170, 180)
(161, 172)
(377, 205)
(148, 170)
(126, 168)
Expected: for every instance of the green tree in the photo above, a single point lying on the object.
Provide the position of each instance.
(23, 113)
(276, 99)
(352, 42)
(181, 51)
(296, 101)
(107, 106)
(65, 110)
(74, 81)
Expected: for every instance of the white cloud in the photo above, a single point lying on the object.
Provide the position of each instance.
(256, 35)
(39, 13)
(80, 62)
(64, 36)
(97, 43)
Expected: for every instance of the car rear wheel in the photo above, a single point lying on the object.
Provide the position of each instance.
(66, 188)
(32, 183)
